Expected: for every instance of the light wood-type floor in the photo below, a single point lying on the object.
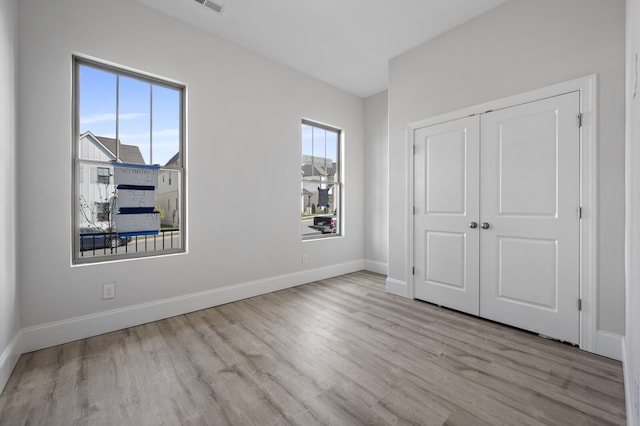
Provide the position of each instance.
(339, 351)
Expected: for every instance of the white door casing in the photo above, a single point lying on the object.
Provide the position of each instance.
(523, 184)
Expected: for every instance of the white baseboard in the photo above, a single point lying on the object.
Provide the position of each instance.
(608, 344)
(397, 287)
(55, 333)
(9, 358)
(375, 266)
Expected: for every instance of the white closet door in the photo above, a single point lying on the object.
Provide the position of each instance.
(529, 255)
(446, 199)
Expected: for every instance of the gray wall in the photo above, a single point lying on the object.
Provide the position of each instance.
(9, 324)
(244, 114)
(376, 181)
(632, 338)
(519, 46)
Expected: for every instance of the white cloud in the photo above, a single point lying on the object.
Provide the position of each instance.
(166, 133)
(101, 118)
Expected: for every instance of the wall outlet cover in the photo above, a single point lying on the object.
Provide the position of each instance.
(108, 291)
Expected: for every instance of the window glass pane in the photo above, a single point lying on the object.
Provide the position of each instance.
(167, 198)
(319, 150)
(166, 126)
(97, 113)
(96, 197)
(320, 216)
(331, 157)
(134, 121)
(307, 151)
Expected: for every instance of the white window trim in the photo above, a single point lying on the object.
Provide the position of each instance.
(77, 60)
(339, 183)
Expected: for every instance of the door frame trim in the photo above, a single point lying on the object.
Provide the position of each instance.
(587, 87)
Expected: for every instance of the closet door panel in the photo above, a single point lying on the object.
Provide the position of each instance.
(529, 254)
(446, 175)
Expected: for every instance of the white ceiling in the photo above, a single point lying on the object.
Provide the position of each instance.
(346, 43)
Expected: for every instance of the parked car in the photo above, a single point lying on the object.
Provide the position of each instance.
(325, 224)
(92, 238)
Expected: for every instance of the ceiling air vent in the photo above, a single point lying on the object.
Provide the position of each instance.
(212, 5)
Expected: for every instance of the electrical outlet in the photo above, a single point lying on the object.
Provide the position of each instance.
(305, 258)
(108, 291)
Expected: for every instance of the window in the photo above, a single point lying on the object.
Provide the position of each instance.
(121, 116)
(103, 175)
(103, 210)
(321, 181)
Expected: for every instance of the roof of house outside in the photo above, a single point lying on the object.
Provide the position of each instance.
(174, 161)
(128, 153)
(308, 169)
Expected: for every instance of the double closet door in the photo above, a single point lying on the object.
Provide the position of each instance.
(497, 222)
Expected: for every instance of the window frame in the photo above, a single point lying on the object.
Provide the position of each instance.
(76, 176)
(338, 183)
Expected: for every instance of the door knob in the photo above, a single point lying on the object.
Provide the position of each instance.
(473, 225)
(485, 225)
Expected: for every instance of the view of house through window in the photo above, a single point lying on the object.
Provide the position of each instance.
(125, 117)
(320, 197)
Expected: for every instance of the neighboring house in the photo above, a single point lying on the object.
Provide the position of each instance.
(167, 195)
(316, 170)
(96, 180)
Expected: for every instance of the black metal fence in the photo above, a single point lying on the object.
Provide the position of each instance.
(110, 243)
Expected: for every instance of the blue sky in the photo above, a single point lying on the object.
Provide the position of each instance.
(98, 113)
(316, 140)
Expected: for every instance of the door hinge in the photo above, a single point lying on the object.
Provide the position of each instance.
(579, 304)
(580, 120)
(414, 150)
(414, 209)
(413, 270)
(580, 212)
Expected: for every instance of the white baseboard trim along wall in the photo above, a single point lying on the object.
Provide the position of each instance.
(9, 358)
(55, 333)
(608, 344)
(375, 266)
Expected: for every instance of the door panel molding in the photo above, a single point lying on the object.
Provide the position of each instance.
(438, 271)
(587, 88)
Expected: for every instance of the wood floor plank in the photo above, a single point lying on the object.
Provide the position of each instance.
(337, 351)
